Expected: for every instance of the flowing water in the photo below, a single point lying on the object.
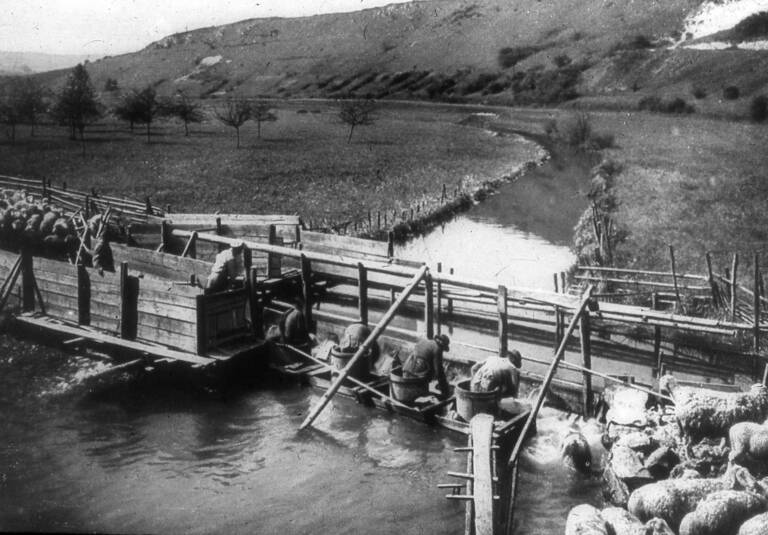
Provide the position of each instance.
(140, 455)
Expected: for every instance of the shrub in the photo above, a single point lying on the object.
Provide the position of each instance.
(698, 92)
(678, 105)
(510, 56)
(752, 27)
(731, 92)
(656, 104)
(652, 103)
(479, 82)
(758, 108)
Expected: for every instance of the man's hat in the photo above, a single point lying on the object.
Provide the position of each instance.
(443, 341)
(237, 245)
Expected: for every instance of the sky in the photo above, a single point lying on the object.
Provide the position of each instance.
(108, 27)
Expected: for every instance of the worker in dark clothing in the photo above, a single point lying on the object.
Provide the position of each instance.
(292, 326)
(426, 362)
(100, 251)
(354, 336)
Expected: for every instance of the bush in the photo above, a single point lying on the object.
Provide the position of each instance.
(656, 104)
(758, 109)
(752, 27)
(653, 103)
(731, 92)
(479, 82)
(576, 131)
(698, 92)
(678, 105)
(510, 56)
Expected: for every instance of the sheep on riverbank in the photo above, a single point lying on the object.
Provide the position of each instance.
(721, 513)
(748, 439)
(709, 413)
(672, 499)
(585, 520)
(757, 525)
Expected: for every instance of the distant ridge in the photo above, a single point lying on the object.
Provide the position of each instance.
(32, 62)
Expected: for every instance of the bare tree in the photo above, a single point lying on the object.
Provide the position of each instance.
(261, 112)
(357, 113)
(235, 112)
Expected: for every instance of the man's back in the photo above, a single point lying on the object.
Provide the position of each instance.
(496, 372)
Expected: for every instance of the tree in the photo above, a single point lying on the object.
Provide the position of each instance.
(261, 112)
(184, 108)
(76, 105)
(139, 107)
(127, 110)
(10, 108)
(234, 113)
(357, 113)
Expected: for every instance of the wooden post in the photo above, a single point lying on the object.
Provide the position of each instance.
(734, 267)
(190, 249)
(657, 356)
(165, 235)
(443, 195)
(274, 268)
(711, 280)
(439, 302)
(449, 305)
(501, 306)
(202, 325)
(147, 201)
(83, 296)
(757, 306)
(390, 244)
(362, 293)
(256, 304)
(218, 232)
(562, 282)
(586, 362)
(378, 219)
(429, 307)
(87, 208)
(306, 288)
(128, 304)
(167, 208)
(45, 190)
(64, 187)
(370, 222)
(363, 349)
(27, 281)
(385, 219)
(674, 278)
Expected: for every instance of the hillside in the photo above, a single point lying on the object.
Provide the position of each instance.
(505, 51)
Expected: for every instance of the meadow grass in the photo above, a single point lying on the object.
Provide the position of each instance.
(302, 164)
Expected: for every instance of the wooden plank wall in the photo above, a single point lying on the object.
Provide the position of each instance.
(225, 316)
(334, 244)
(167, 314)
(7, 260)
(58, 286)
(160, 265)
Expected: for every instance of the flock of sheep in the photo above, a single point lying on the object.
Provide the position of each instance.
(735, 503)
(24, 218)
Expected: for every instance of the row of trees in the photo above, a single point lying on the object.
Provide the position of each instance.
(24, 101)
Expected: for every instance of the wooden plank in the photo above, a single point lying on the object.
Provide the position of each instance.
(319, 241)
(171, 325)
(166, 338)
(481, 428)
(165, 286)
(162, 265)
(92, 334)
(158, 308)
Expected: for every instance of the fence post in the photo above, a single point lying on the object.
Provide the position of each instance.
(306, 286)
(128, 304)
(256, 304)
(757, 307)
(429, 306)
(45, 190)
(221, 246)
(674, 278)
(362, 293)
(501, 307)
(202, 325)
(711, 279)
(439, 302)
(449, 305)
(586, 362)
(734, 267)
(390, 244)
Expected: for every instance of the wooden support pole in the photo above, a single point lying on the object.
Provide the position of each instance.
(202, 325)
(274, 268)
(439, 302)
(378, 219)
(586, 362)
(429, 311)
(27, 281)
(191, 248)
(83, 296)
(128, 303)
(658, 358)
(548, 379)
(306, 289)
(370, 221)
(449, 305)
(674, 278)
(218, 232)
(165, 235)
(390, 244)
(734, 267)
(87, 207)
(501, 306)
(562, 282)
(256, 302)
(363, 349)
(756, 304)
(362, 293)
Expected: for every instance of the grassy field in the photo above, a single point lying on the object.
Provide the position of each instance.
(302, 165)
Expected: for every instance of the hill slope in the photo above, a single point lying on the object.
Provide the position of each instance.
(446, 49)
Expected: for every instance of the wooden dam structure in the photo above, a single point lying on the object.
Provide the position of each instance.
(152, 310)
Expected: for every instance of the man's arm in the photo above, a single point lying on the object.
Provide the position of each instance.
(442, 382)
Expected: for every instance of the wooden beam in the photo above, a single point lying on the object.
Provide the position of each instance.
(756, 305)
(429, 319)
(439, 302)
(27, 281)
(202, 325)
(481, 427)
(83, 296)
(734, 267)
(306, 288)
(363, 349)
(586, 362)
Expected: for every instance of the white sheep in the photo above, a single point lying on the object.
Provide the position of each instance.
(748, 439)
(622, 522)
(721, 513)
(702, 412)
(672, 499)
(585, 520)
(757, 525)
(657, 526)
